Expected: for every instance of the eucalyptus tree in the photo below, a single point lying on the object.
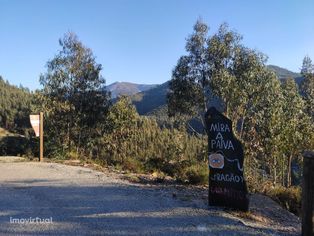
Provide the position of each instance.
(307, 86)
(292, 125)
(217, 69)
(265, 119)
(190, 88)
(190, 78)
(74, 97)
(220, 70)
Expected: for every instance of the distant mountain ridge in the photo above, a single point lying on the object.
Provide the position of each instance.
(283, 73)
(152, 99)
(126, 88)
(147, 101)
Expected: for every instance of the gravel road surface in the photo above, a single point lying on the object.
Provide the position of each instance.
(80, 201)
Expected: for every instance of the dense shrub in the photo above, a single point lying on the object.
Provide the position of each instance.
(139, 144)
(132, 165)
(18, 146)
(197, 174)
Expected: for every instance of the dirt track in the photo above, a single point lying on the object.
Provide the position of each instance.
(81, 201)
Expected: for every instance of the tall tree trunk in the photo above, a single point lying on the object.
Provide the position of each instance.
(283, 177)
(79, 141)
(275, 171)
(68, 134)
(289, 171)
(70, 128)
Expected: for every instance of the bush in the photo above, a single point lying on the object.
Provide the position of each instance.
(72, 155)
(154, 164)
(175, 168)
(14, 145)
(196, 174)
(132, 164)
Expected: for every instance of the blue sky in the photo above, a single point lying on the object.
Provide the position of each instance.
(141, 40)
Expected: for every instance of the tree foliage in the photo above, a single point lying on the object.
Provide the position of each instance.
(293, 126)
(307, 86)
(73, 97)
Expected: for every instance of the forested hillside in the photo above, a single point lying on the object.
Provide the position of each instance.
(150, 100)
(283, 73)
(126, 88)
(15, 106)
(153, 101)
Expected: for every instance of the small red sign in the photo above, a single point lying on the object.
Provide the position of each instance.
(35, 121)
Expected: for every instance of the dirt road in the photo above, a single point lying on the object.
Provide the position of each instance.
(79, 201)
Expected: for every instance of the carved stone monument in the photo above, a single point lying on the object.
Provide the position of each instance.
(227, 185)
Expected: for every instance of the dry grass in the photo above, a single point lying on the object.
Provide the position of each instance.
(4, 132)
(251, 216)
(289, 198)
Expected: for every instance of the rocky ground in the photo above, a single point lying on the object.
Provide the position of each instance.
(84, 201)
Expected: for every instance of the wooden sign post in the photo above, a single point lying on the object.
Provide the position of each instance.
(41, 137)
(227, 185)
(37, 122)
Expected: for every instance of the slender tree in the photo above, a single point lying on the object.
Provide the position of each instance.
(307, 86)
(74, 95)
(292, 131)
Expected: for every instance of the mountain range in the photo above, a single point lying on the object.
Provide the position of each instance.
(283, 73)
(152, 99)
(126, 88)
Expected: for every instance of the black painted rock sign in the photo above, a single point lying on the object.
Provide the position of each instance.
(227, 186)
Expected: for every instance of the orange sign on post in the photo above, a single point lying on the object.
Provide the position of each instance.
(37, 122)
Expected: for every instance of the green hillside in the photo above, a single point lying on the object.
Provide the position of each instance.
(15, 106)
(283, 73)
(147, 101)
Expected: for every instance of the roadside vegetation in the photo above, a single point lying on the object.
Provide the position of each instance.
(273, 119)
